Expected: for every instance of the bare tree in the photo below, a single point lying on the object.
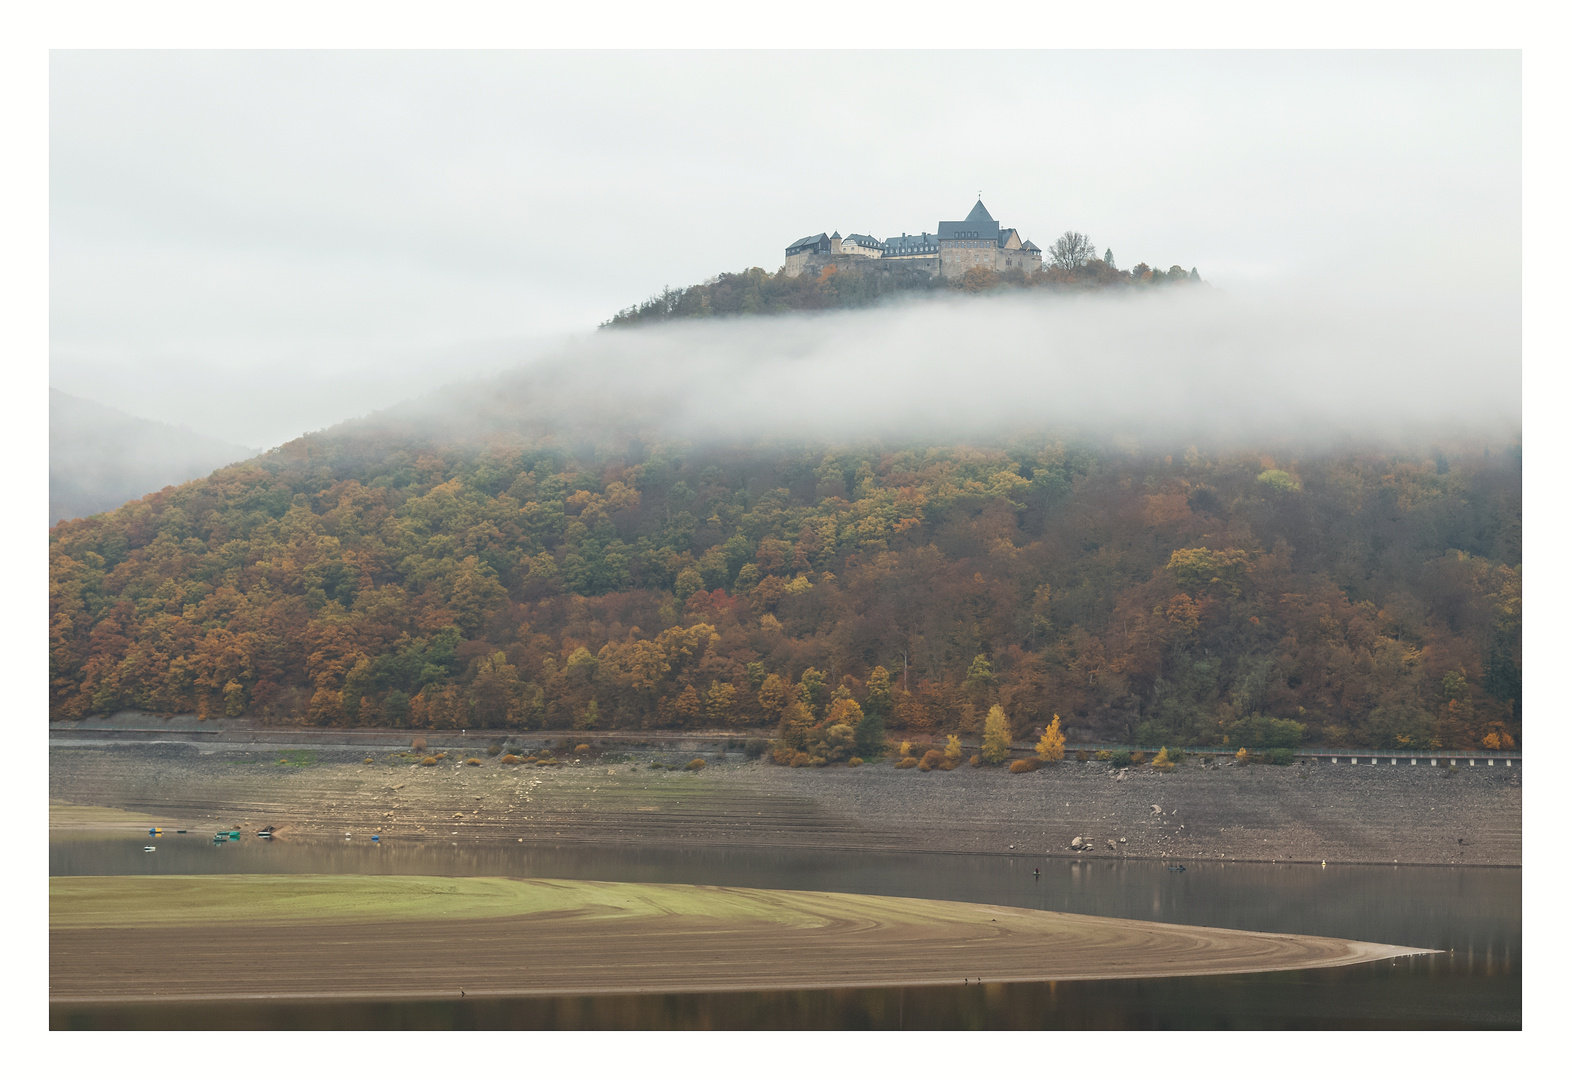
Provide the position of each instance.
(1071, 250)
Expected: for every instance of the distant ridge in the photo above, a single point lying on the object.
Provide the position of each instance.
(100, 457)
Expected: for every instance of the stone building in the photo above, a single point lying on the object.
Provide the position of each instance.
(957, 246)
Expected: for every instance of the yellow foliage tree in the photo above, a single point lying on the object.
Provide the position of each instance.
(995, 736)
(953, 752)
(1050, 747)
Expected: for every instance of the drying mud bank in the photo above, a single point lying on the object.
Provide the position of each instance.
(181, 938)
(1338, 813)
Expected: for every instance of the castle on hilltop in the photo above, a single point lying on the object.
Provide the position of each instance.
(957, 246)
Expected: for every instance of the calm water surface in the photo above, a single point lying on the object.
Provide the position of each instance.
(1474, 915)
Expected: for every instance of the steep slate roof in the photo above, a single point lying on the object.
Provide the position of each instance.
(807, 241)
(864, 240)
(978, 224)
(1029, 246)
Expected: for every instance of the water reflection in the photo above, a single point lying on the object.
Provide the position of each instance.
(1415, 992)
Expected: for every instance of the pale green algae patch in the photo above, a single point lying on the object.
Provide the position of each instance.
(169, 900)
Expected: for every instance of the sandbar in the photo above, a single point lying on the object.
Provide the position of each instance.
(209, 937)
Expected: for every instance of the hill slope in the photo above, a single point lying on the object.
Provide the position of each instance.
(758, 292)
(372, 575)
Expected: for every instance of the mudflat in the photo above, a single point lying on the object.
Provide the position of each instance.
(173, 938)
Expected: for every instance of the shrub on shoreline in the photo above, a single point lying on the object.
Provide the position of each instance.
(428, 761)
(906, 762)
(696, 764)
(953, 753)
(1020, 765)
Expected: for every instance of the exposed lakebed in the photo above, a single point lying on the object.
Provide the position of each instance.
(1472, 914)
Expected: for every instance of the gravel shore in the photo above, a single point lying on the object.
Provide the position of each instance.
(1306, 813)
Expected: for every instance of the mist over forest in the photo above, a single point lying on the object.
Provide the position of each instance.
(101, 457)
(1181, 519)
(1158, 367)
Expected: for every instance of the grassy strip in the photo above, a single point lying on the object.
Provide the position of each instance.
(168, 900)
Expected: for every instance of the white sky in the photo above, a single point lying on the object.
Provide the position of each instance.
(355, 225)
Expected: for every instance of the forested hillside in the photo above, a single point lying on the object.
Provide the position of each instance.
(362, 576)
(758, 292)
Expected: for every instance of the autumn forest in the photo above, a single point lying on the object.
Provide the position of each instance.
(834, 595)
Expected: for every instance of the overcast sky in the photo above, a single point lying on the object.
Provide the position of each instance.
(257, 244)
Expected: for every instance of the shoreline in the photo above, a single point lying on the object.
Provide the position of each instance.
(1256, 814)
(139, 828)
